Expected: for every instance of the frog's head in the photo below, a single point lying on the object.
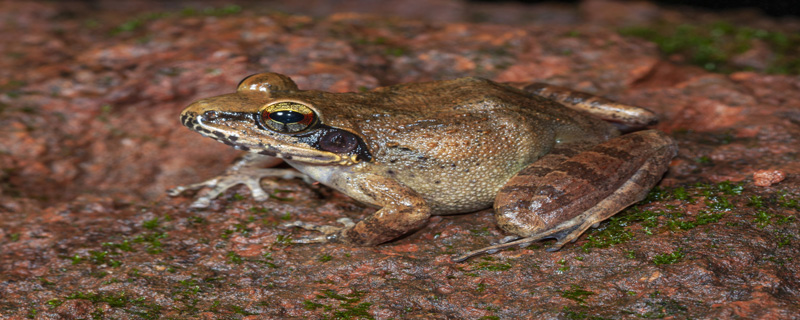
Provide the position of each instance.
(268, 115)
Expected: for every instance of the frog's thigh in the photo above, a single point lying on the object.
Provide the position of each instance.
(402, 210)
(561, 196)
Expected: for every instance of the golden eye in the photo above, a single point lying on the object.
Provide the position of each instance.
(288, 117)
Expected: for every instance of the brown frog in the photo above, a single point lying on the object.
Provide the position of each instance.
(540, 154)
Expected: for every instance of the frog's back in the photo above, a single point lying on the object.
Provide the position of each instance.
(471, 101)
(467, 134)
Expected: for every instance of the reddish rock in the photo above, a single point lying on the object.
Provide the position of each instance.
(89, 104)
(766, 178)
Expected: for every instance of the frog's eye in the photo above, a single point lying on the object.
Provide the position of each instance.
(288, 117)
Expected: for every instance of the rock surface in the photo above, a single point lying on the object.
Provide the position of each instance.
(91, 140)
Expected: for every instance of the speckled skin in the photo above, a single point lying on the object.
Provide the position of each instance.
(437, 148)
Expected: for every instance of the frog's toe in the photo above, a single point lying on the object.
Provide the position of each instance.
(317, 239)
(174, 192)
(325, 229)
(201, 202)
(329, 233)
(221, 184)
(250, 177)
(522, 242)
(508, 239)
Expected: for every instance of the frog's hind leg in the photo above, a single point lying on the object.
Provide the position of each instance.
(562, 195)
(626, 118)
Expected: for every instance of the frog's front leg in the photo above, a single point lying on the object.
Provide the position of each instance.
(562, 195)
(248, 170)
(402, 210)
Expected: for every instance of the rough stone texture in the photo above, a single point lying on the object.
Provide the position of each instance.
(91, 139)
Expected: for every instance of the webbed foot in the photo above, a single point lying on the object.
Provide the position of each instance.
(246, 171)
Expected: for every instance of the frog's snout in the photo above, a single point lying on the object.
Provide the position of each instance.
(198, 113)
(188, 119)
(189, 115)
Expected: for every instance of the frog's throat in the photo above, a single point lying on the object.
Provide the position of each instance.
(286, 152)
(303, 155)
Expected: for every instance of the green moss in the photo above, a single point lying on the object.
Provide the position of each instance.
(125, 245)
(787, 201)
(186, 293)
(54, 303)
(784, 240)
(234, 258)
(150, 224)
(310, 305)
(712, 46)
(756, 201)
(99, 274)
(97, 314)
(762, 218)
(669, 258)
(226, 234)
(726, 187)
(259, 210)
(395, 51)
(704, 160)
(240, 310)
(482, 232)
(121, 300)
(76, 259)
(661, 308)
(577, 294)
(717, 198)
(283, 240)
(267, 260)
(242, 228)
(489, 264)
(564, 267)
(579, 315)
(325, 258)
(101, 257)
(152, 241)
(141, 20)
(348, 306)
(702, 218)
(134, 273)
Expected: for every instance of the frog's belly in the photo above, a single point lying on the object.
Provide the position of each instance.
(445, 192)
(446, 195)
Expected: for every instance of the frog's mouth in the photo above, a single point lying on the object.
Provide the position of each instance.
(234, 129)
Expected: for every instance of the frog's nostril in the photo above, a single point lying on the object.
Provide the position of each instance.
(210, 115)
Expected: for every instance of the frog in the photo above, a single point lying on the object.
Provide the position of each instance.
(552, 162)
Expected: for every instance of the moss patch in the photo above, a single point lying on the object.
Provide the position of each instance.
(712, 46)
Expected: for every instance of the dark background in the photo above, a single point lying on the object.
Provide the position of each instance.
(772, 8)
